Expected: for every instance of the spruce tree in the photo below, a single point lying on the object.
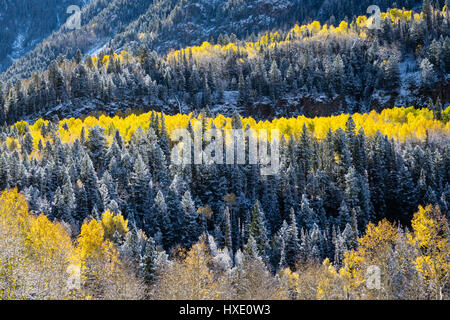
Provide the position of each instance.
(258, 230)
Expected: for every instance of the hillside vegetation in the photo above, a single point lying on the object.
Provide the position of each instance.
(102, 195)
(313, 69)
(41, 260)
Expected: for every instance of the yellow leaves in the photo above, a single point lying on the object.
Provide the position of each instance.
(424, 227)
(314, 27)
(14, 211)
(374, 249)
(430, 237)
(95, 240)
(113, 223)
(41, 256)
(427, 248)
(399, 123)
(105, 60)
(41, 249)
(343, 27)
(48, 240)
(377, 237)
(189, 277)
(207, 53)
(423, 264)
(90, 242)
(361, 21)
(292, 278)
(21, 126)
(377, 242)
(321, 282)
(12, 143)
(328, 281)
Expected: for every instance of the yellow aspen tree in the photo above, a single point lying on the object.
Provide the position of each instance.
(374, 250)
(430, 236)
(113, 223)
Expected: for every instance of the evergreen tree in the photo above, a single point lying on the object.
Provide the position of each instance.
(258, 230)
(149, 261)
(191, 227)
(292, 250)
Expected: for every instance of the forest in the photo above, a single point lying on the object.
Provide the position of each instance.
(94, 205)
(101, 195)
(313, 69)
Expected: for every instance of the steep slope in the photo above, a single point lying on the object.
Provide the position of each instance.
(25, 23)
(172, 24)
(192, 22)
(313, 69)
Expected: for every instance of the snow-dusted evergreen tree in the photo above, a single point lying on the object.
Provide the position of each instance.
(191, 227)
(140, 191)
(227, 230)
(307, 216)
(292, 242)
(258, 231)
(149, 261)
(160, 216)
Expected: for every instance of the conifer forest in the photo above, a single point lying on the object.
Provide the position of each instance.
(225, 150)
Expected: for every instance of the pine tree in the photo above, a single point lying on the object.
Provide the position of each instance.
(149, 261)
(258, 230)
(275, 81)
(352, 188)
(88, 177)
(292, 250)
(307, 215)
(97, 146)
(344, 214)
(161, 228)
(176, 212)
(391, 74)
(191, 228)
(227, 228)
(140, 191)
(64, 203)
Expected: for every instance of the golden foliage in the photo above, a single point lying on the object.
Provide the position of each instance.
(430, 237)
(38, 257)
(113, 223)
(398, 123)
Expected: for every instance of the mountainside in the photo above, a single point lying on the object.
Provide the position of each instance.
(312, 69)
(172, 24)
(225, 149)
(25, 23)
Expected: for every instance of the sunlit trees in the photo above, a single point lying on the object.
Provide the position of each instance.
(251, 278)
(430, 238)
(374, 250)
(189, 277)
(39, 260)
(34, 252)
